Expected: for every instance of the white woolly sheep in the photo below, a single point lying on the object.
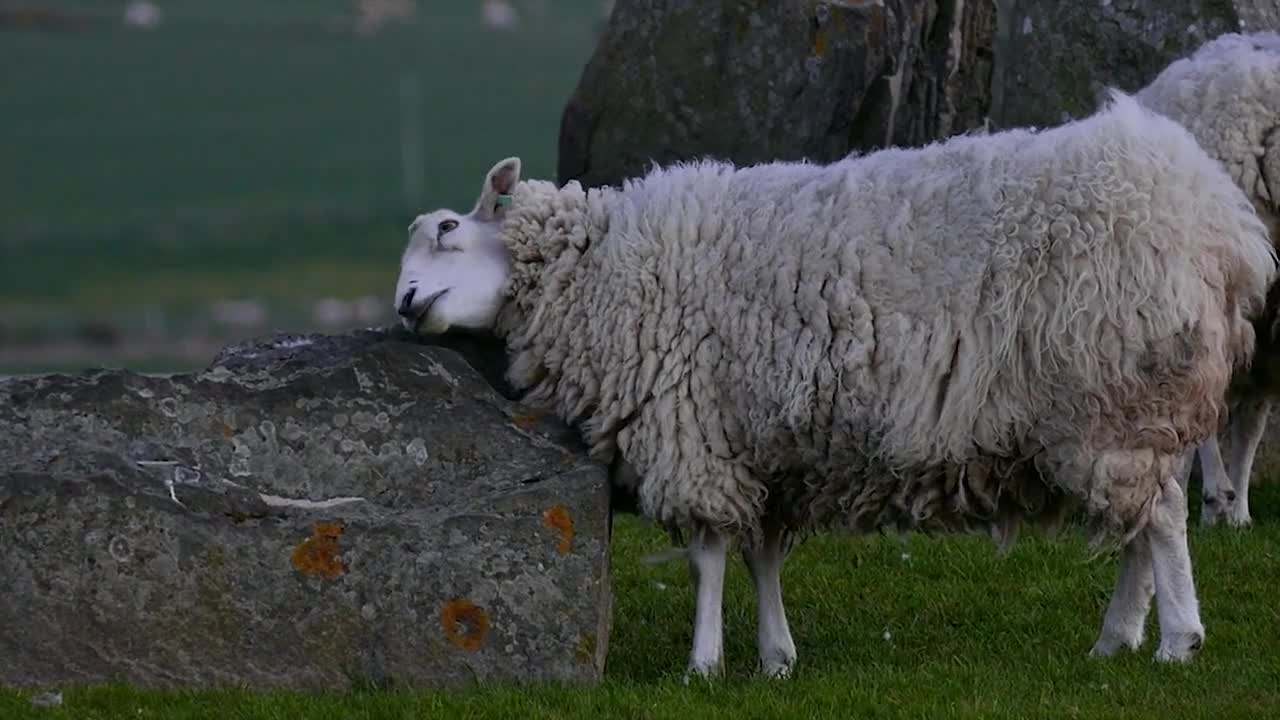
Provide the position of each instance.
(1227, 94)
(979, 334)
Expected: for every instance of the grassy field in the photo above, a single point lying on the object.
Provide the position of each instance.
(249, 150)
(919, 628)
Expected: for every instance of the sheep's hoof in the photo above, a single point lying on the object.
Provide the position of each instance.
(1109, 644)
(1180, 647)
(1239, 519)
(778, 668)
(703, 670)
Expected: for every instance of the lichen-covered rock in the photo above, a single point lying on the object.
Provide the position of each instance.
(1053, 57)
(309, 511)
(750, 82)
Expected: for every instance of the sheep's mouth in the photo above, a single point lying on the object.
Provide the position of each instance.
(426, 308)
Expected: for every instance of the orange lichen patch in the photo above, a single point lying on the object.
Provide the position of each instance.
(465, 624)
(527, 421)
(227, 430)
(318, 554)
(557, 518)
(819, 43)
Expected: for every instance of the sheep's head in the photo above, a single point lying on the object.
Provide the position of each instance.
(453, 272)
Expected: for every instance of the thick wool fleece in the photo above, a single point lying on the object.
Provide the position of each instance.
(945, 337)
(1227, 94)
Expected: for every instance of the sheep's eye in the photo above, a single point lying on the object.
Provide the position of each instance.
(445, 226)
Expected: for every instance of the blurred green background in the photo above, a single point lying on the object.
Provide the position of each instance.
(241, 167)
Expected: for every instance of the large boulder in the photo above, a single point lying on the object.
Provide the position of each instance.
(757, 81)
(1053, 58)
(309, 511)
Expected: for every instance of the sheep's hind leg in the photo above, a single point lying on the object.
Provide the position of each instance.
(1245, 434)
(1215, 491)
(707, 553)
(773, 635)
(1181, 632)
(1122, 626)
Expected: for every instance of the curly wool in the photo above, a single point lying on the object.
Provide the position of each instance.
(1227, 94)
(963, 335)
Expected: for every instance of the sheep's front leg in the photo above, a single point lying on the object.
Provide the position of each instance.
(773, 635)
(1181, 632)
(1244, 434)
(1122, 627)
(707, 553)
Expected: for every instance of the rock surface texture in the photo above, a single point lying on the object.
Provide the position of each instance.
(309, 512)
(756, 81)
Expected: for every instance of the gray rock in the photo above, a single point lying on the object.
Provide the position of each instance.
(672, 79)
(309, 511)
(1054, 57)
(752, 82)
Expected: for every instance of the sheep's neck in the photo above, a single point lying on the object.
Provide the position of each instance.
(548, 233)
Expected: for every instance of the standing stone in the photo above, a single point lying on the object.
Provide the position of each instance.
(1054, 57)
(753, 81)
(308, 512)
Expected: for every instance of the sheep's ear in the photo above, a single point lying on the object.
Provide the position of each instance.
(495, 195)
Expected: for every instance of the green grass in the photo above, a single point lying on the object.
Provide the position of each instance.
(214, 156)
(970, 634)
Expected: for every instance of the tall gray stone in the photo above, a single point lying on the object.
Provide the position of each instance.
(309, 511)
(753, 81)
(1054, 57)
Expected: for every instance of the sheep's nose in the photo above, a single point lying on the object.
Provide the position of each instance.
(406, 304)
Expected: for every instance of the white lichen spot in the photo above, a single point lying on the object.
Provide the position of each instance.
(347, 445)
(146, 393)
(362, 420)
(218, 374)
(1192, 29)
(340, 420)
(292, 430)
(434, 368)
(363, 380)
(382, 421)
(887, 635)
(906, 556)
(417, 449)
(1027, 27)
(305, 504)
(240, 467)
(369, 612)
(186, 476)
(168, 407)
(291, 343)
(120, 549)
(268, 430)
(660, 585)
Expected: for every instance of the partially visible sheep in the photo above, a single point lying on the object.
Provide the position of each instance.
(977, 334)
(1227, 93)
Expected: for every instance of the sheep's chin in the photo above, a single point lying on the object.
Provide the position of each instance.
(432, 326)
